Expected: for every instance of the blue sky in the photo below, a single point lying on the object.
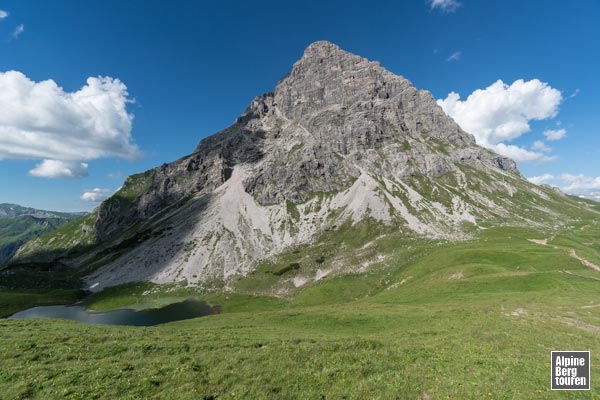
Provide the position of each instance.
(190, 68)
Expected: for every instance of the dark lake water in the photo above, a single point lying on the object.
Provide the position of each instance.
(173, 312)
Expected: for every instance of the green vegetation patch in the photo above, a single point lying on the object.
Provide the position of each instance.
(70, 239)
(15, 231)
(14, 300)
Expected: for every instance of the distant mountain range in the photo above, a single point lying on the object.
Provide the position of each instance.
(19, 224)
(13, 210)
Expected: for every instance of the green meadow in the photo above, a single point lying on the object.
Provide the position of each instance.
(428, 320)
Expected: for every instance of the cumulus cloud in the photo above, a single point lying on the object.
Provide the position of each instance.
(555, 134)
(445, 5)
(591, 195)
(575, 183)
(18, 30)
(3, 14)
(540, 179)
(541, 146)
(454, 56)
(60, 169)
(40, 121)
(520, 154)
(581, 185)
(96, 195)
(578, 185)
(501, 113)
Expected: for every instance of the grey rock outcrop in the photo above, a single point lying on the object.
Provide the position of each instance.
(347, 107)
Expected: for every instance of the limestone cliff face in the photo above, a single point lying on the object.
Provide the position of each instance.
(339, 139)
(343, 113)
(334, 115)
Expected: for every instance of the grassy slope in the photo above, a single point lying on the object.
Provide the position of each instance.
(475, 319)
(79, 236)
(15, 300)
(17, 230)
(68, 239)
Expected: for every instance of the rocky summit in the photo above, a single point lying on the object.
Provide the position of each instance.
(339, 141)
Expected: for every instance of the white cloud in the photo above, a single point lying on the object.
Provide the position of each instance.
(445, 5)
(60, 169)
(501, 113)
(538, 180)
(3, 14)
(541, 146)
(555, 134)
(591, 195)
(578, 185)
(580, 182)
(575, 93)
(519, 154)
(18, 30)
(454, 56)
(40, 121)
(96, 195)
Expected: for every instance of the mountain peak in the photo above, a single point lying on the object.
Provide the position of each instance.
(341, 139)
(322, 48)
(326, 75)
(323, 54)
(321, 45)
(323, 51)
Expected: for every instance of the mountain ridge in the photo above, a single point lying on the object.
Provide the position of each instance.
(19, 224)
(339, 140)
(9, 210)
